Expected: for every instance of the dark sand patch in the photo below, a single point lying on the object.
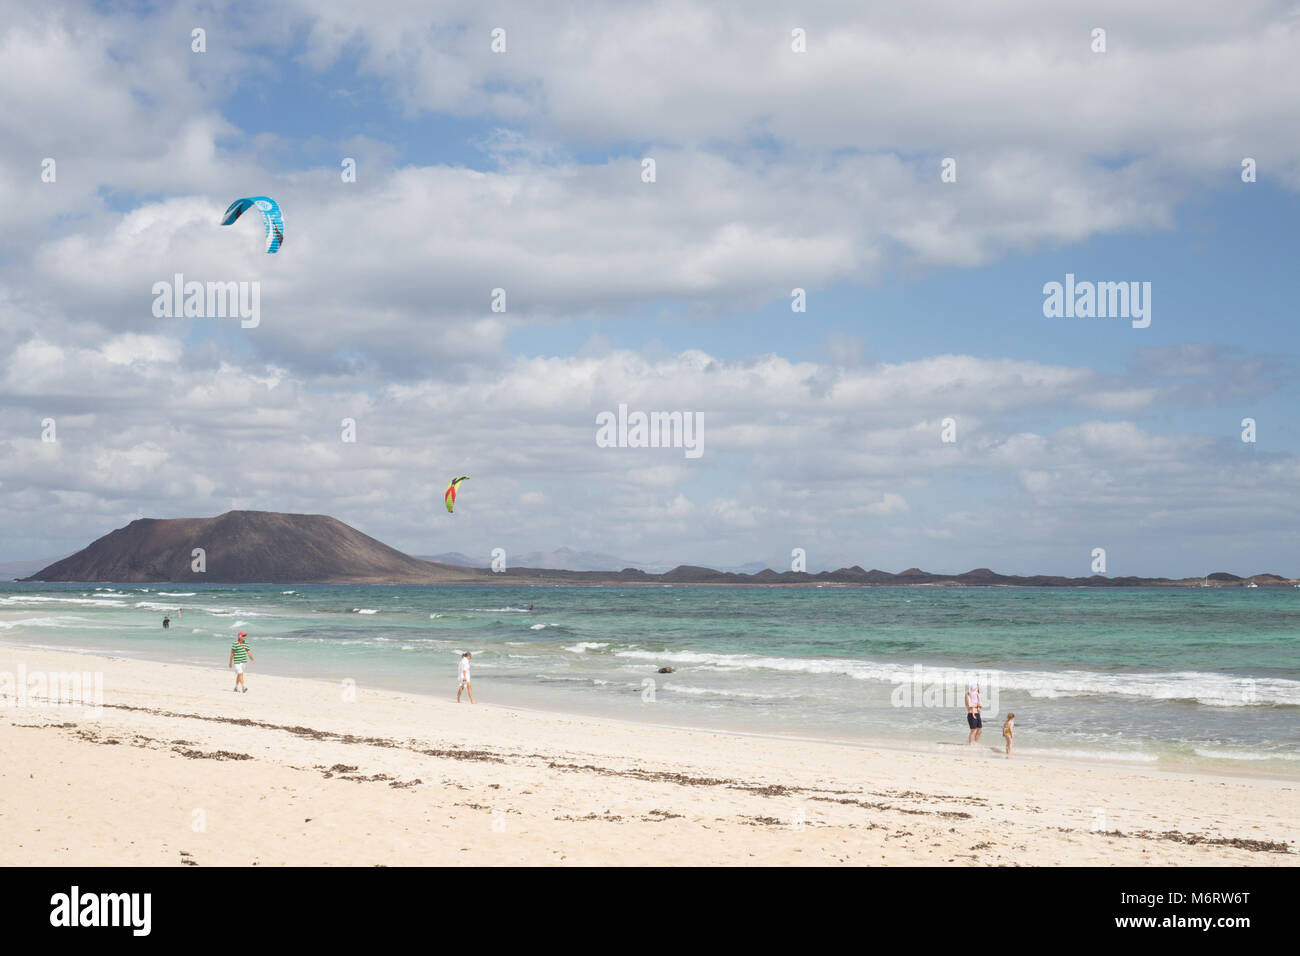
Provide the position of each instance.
(1192, 839)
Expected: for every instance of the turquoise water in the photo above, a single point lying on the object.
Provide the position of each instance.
(1170, 676)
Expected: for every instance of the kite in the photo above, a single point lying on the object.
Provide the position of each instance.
(450, 496)
(270, 210)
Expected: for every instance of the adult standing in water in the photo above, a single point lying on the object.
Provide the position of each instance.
(973, 719)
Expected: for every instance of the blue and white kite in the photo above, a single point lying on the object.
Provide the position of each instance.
(270, 210)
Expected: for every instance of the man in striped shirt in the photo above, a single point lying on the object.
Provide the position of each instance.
(239, 656)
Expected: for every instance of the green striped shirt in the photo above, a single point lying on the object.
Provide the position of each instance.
(240, 651)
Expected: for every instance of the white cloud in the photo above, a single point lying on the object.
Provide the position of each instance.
(775, 170)
(184, 440)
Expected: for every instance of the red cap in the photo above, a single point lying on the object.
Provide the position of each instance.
(243, 634)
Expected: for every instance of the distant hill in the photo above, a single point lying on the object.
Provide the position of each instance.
(20, 569)
(246, 547)
(561, 559)
(457, 558)
(567, 559)
(265, 547)
(912, 577)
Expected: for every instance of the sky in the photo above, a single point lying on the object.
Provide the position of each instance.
(914, 406)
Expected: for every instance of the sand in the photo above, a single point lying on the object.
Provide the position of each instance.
(175, 769)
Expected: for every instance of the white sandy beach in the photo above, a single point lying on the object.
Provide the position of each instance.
(176, 769)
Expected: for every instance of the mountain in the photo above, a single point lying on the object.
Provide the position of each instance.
(247, 547)
(265, 547)
(856, 576)
(20, 569)
(456, 558)
(561, 559)
(750, 567)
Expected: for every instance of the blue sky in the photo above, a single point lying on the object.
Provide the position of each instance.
(775, 170)
(1229, 251)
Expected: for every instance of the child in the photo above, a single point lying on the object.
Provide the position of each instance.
(464, 678)
(1009, 730)
(239, 654)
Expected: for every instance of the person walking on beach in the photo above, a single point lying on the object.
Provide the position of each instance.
(464, 678)
(166, 622)
(973, 718)
(1009, 730)
(239, 656)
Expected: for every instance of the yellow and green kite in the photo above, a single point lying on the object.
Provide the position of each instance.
(450, 496)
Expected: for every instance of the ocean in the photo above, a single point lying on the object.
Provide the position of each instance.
(1194, 678)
